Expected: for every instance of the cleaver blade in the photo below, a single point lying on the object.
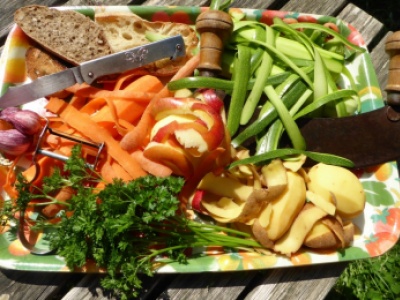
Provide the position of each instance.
(367, 139)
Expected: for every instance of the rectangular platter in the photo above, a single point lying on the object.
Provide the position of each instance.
(377, 229)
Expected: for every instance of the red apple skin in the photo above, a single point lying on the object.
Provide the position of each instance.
(211, 98)
(196, 201)
(213, 136)
(172, 157)
(165, 132)
(169, 105)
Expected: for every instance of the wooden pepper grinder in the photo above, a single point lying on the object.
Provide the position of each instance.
(392, 48)
(214, 27)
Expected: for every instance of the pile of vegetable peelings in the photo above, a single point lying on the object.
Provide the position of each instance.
(195, 147)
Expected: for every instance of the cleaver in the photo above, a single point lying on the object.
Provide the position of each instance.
(367, 139)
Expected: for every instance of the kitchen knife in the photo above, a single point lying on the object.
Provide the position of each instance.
(367, 139)
(89, 71)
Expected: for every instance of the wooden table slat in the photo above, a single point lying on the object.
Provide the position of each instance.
(176, 2)
(259, 4)
(324, 7)
(210, 286)
(380, 62)
(39, 285)
(298, 283)
(368, 26)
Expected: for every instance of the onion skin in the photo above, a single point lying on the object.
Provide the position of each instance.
(13, 142)
(8, 111)
(26, 121)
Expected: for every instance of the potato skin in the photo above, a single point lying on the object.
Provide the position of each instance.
(287, 206)
(328, 180)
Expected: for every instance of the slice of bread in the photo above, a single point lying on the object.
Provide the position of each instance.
(67, 34)
(127, 30)
(40, 63)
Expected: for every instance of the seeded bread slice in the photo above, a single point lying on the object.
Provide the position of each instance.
(67, 34)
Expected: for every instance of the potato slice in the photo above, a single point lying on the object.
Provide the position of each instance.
(265, 215)
(223, 208)
(302, 225)
(349, 233)
(295, 164)
(327, 204)
(261, 235)
(287, 206)
(225, 187)
(275, 177)
(343, 184)
(252, 206)
(322, 236)
(337, 228)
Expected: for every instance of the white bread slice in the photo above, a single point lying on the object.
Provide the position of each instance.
(127, 30)
(67, 34)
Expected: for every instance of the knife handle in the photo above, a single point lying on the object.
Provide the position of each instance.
(392, 47)
(214, 27)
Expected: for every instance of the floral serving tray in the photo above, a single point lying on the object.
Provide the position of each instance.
(378, 228)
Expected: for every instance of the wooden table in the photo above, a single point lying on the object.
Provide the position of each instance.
(311, 282)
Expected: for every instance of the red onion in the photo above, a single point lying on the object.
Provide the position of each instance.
(26, 121)
(13, 142)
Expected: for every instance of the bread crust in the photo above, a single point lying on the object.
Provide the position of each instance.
(67, 34)
(128, 30)
(40, 63)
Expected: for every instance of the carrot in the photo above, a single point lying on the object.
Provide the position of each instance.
(63, 196)
(120, 172)
(88, 91)
(125, 77)
(76, 101)
(110, 169)
(44, 167)
(106, 171)
(93, 105)
(56, 105)
(127, 108)
(72, 89)
(135, 138)
(89, 128)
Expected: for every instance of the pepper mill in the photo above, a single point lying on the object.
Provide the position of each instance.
(392, 48)
(214, 27)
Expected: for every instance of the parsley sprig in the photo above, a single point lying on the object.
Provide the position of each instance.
(128, 228)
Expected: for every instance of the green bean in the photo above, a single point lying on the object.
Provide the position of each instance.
(240, 79)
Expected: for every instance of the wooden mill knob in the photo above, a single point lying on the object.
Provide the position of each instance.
(392, 48)
(214, 27)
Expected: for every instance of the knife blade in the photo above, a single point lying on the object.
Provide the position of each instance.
(89, 71)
